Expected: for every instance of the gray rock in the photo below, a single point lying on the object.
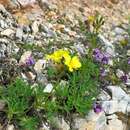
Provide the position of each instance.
(114, 124)
(48, 88)
(122, 107)
(7, 47)
(80, 48)
(104, 96)
(118, 93)
(61, 123)
(119, 31)
(98, 120)
(48, 31)
(128, 109)
(26, 29)
(2, 105)
(113, 116)
(10, 127)
(19, 33)
(110, 49)
(46, 5)
(25, 2)
(28, 38)
(2, 50)
(78, 122)
(2, 24)
(7, 32)
(113, 106)
(41, 78)
(35, 27)
(44, 127)
(110, 107)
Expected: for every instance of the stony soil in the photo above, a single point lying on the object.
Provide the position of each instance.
(27, 22)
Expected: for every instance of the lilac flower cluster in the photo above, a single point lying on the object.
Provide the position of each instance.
(101, 57)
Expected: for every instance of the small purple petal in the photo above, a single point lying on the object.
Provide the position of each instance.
(97, 108)
(30, 61)
(129, 61)
(105, 60)
(98, 57)
(96, 51)
(103, 72)
(124, 78)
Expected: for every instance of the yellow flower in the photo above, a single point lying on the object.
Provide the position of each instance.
(67, 59)
(91, 19)
(63, 55)
(57, 55)
(72, 63)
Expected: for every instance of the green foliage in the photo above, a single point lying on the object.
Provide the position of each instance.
(29, 123)
(83, 87)
(76, 96)
(97, 23)
(51, 71)
(17, 96)
(92, 28)
(39, 96)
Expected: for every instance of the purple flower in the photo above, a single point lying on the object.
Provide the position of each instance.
(124, 78)
(96, 51)
(30, 61)
(97, 108)
(105, 60)
(98, 56)
(103, 72)
(129, 61)
(101, 57)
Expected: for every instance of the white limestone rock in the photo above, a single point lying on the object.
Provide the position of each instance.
(48, 88)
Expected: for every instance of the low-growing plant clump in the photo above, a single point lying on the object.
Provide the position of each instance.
(75, 81)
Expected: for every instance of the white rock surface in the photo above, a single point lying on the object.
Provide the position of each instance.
(24, 57)
(110, 49)
(10, 127)
(110, 107)
(115, 124)
(79, 122)
(118, 93)
(19, 33)
(48, 88)
(61, 124)
(119, 31)
(39, 65)
(111, 117)
(104, 96)
(7, 32)
(44, 127)
(98, 120)
(35, 27)
(26, 2)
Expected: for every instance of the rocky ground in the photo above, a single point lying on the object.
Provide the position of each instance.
(29, 27)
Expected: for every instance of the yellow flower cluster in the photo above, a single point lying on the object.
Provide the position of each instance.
(58, 56)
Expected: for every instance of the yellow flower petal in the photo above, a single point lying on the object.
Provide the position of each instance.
(91, 19)
(58, 55)
(67, 59)
(74, 63)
